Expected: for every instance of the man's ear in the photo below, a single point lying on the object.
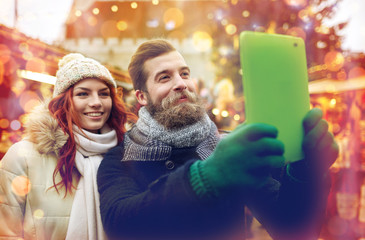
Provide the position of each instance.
(141, 97)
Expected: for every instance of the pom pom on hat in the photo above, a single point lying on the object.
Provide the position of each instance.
(74, 67)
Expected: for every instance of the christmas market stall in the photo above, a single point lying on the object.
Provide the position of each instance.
(343, 105)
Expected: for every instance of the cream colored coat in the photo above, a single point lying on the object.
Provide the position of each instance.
(34, 210)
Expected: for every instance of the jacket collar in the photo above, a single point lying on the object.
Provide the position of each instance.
(44, 131)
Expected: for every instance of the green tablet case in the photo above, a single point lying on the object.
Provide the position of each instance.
(275, 83)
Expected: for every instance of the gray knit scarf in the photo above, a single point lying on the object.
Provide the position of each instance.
(148, 140)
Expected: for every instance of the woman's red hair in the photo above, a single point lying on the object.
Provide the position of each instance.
(62, 108)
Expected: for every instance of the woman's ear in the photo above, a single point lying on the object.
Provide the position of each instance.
(141, 97)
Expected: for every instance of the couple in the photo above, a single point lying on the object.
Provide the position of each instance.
(153, 184)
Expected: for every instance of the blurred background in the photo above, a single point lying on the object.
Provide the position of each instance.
(35, 34)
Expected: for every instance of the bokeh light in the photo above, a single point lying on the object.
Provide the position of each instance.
(173, 16)
(28, 100)
(245, 14)
(297, 32)
(321, 44)
(38, 214)
(215, 111)
(4, 53)
(92, 21)
(15, 125)
(231, 29)
(202, 41)
(18, 87)
(224, 113)
(114, 8)
(35, 65)
(78, 13)
(21, 186)
(297, 3)
(4, 123)
(96, 11)
(134, 5)
(356, 72)
(334, 60)
(341, 75)
(23, 47)
(122, 25)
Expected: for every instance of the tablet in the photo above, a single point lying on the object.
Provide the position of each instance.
(275, 85)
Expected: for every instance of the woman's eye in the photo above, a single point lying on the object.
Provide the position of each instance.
(81, 94)
(105, 94)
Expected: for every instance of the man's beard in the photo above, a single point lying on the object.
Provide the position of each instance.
(172, 115)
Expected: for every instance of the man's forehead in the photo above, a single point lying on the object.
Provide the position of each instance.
(165, 62)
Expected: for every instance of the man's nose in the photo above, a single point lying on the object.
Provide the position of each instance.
(180, 83)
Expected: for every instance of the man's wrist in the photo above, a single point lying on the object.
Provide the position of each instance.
(199, 181)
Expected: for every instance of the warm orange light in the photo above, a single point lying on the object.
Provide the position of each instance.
(23, 46)
(28, 100)
(114, 8)
(78, 13)
(92, 21)
(202, 41)
(18, 87)
(4, 53)
(35, 65)
(297, 3)
(231, 29)
(4, 123)
(122, 25)
(334, 60)
(245, 13)
(134, 5)
(109, 29)
(356, 72)
(175, 16)
(297, 32)
(215, 111)
(96, 11)
(21, 185)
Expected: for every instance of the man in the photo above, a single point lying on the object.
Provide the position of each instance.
(156, 186)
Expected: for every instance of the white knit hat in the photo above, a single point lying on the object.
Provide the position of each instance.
(75, 67)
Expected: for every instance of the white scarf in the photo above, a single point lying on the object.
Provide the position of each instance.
(85, 220)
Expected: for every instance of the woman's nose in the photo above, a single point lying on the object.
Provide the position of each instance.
(95, 101)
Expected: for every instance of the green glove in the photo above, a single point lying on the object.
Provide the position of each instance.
(241, 161)
(319, 146)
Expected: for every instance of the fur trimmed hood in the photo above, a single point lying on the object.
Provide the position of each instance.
(43, 130)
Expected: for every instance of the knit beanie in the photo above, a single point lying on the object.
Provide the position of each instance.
(75, 67)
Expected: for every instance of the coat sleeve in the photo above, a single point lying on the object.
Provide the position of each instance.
(166, 206)
(14, 186)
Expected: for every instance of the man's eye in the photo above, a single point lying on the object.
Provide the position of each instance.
(185, 74)
(165, 77)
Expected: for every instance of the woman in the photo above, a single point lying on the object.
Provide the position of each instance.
(48, 184)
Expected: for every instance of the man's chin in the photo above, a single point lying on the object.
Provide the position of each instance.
(180, 115)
